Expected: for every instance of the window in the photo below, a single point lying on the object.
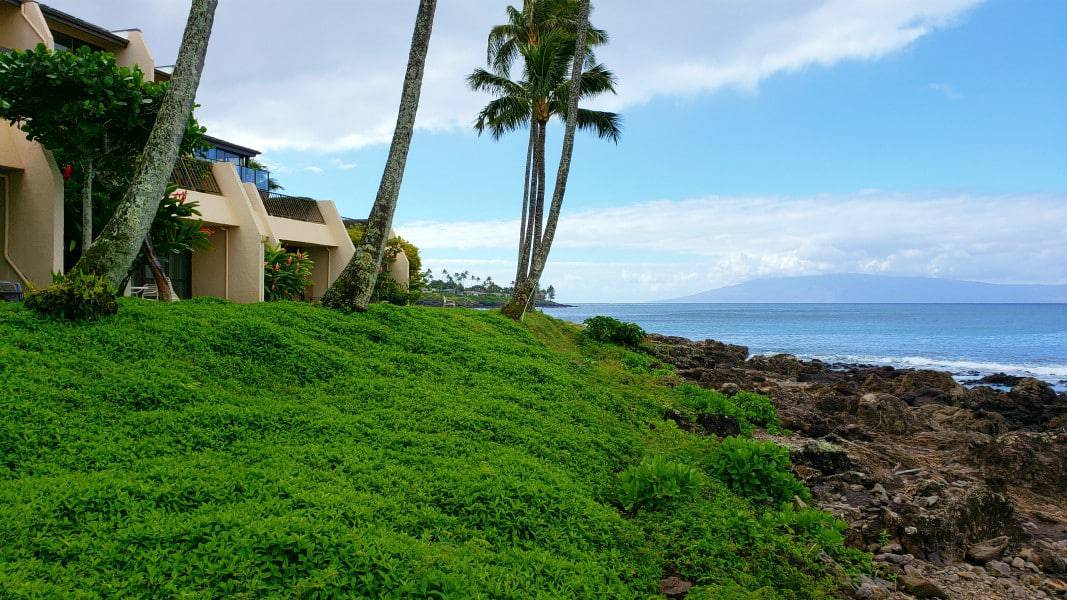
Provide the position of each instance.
(69, 43)
(179, 267)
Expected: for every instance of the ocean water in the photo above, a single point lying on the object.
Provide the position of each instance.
(968, 340)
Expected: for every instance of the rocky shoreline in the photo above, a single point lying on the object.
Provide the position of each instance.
(960, 491)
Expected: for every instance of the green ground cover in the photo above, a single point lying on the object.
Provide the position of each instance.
(207, 449)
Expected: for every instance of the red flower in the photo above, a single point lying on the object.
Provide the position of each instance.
(207, 231)
(68, 171)
(181, 196)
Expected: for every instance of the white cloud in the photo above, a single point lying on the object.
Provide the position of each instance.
(344, 166)
(946, 90)
(327, 75)
(672, 248)
(313, 169)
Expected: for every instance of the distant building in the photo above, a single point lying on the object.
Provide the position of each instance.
(234, 196)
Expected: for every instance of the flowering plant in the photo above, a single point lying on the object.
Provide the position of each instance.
(285, 274)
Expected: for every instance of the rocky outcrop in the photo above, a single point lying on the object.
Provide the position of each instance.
(960, 492)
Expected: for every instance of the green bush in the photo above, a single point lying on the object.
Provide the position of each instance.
(655, 482)
(750, 409)
(285, 274)
(386, 289)
(757, 408)
(614, 331)
(756, 470)
(75, 297)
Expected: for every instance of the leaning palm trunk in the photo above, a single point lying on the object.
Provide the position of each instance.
(354, 287)
(522, 296)
(87, 207)
(520, 270)
(116, 248)
(163, 285)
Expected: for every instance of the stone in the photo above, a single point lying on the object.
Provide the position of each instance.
(719, 425)
(998, 568)
(988, 550)
(729, 388)
(828, 458)
(885, 413)
(1018, 563)
(919, 586)
(674, 587)
(785, 365)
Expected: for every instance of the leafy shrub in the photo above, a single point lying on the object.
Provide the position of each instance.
(387, 289)
(614, 331)
(756, 470)
(76, 297)
(749, 408)
(655, 482)
(757, 408)
(285, 274)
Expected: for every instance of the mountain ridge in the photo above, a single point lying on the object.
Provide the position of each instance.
(866, 288)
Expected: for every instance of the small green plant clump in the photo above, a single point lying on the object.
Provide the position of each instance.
(75, 297)
(285, 274)
(614, 331)
(655, 482)
(756, 470)
(749, 408)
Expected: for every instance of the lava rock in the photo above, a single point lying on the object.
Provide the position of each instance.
(919, 586)
(983, 552)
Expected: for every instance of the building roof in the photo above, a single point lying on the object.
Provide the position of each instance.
(231, 147)
(100, 33)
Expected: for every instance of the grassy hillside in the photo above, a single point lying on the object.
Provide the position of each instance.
(206, 449)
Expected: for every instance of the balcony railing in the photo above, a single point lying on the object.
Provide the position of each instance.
(196, 175)
(292, 207)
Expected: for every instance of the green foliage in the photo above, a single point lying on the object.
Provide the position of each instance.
(81, 105)
(386, 289)
(75, 297)
(613, 331)
(756, 408)
(750, 409)
(756, 470)
(285, 274)
(393, 247)
(176, 227)
(211, 449)
(655, 482)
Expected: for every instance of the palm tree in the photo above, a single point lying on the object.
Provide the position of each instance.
(525, 290)
(532, 102)
(114, 251)
(353, 288)
(523, 33)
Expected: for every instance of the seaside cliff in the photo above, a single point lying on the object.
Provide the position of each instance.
(959, 492)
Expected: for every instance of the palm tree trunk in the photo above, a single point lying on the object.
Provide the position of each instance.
(163, 284)
(520, 269)
(522, 295)
(87, 207)
(539, 212)
(118, 244)
(353, 289)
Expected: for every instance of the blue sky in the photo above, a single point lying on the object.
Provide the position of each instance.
(778, 138)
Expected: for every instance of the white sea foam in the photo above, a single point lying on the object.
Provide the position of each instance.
(1048, 372)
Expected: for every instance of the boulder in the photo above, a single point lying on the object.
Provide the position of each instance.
(1037, 461)
(923, 386)
(687, 354)
(827, 458)
(983, 552)
(885, 413)
(919, 586)
(784, 365)
(719, 425)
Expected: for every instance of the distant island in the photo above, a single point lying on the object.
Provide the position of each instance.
(855, 287)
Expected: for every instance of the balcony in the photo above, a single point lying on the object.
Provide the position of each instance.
(292, 207)
(195, 175)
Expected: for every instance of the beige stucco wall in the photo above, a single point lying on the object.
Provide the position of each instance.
(136, 53)
(33, 240)
(244, 240)
(23, 27)
(398, 269)
(210, 276)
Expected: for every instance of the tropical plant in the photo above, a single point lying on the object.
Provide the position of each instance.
(174, 230)
(543, 34)
(613, 331)
(94, 116)
(655, 482)
(353, 289)
(79, 297)
(285, 274)
(116, 248)
(756, 470)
